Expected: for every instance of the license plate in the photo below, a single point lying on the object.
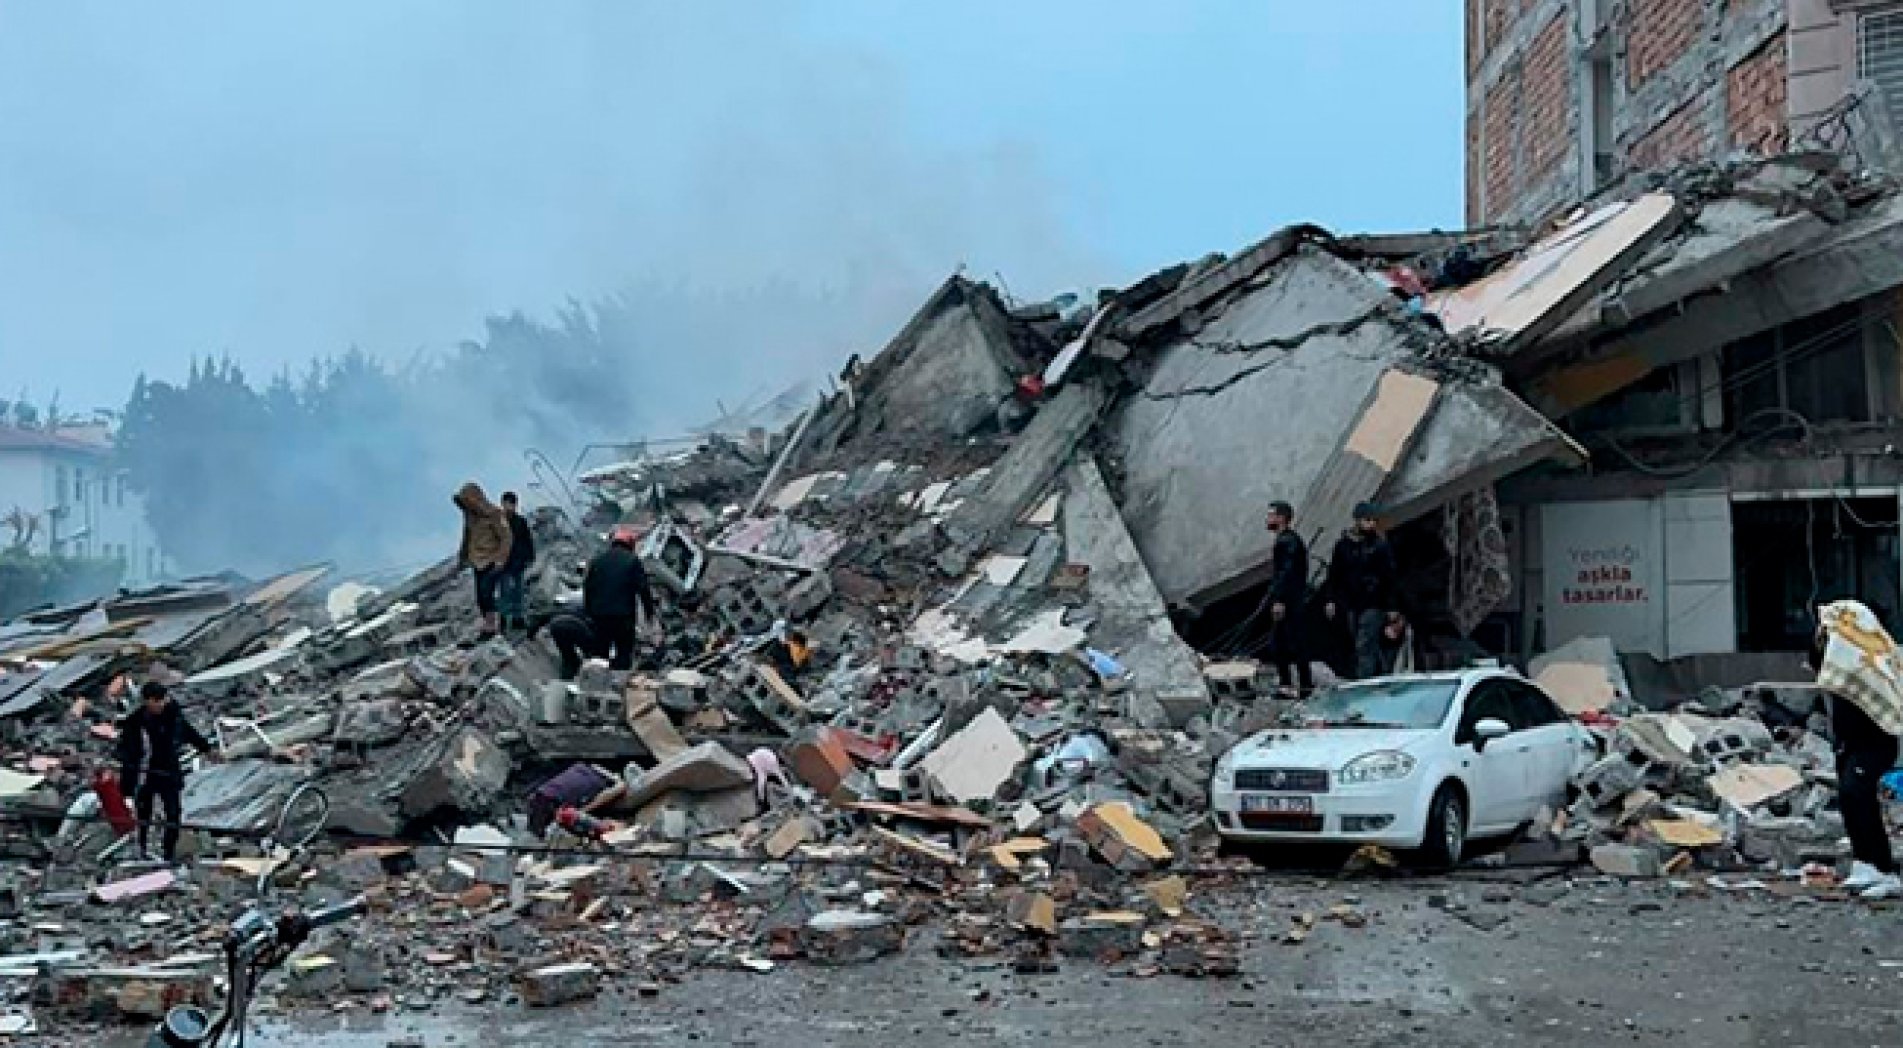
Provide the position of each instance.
(1270, 804)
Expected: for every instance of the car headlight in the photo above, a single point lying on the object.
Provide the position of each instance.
(1376, 767)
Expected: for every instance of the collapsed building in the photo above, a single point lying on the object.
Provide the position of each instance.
(1026, 544)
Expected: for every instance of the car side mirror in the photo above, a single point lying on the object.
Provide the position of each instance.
(1489, 729)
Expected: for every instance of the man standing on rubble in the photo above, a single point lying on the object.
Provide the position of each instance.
(150, 738)
(510, 600)
(615, 588)
(1363, 578)
(1860, 700)
(1288, 598)
(485, 548)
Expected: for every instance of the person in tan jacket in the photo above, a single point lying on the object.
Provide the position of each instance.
(485, 547)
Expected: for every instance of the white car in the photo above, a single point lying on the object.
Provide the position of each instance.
(1422, 761)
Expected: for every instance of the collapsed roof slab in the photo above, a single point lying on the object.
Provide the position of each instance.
(1260, 405)
(1861, 257)
(1248, 411)
(946, 370)
(1523, 301)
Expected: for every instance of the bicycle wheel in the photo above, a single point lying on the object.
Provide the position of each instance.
(302, 818)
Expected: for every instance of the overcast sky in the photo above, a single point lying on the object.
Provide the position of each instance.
(279, 181)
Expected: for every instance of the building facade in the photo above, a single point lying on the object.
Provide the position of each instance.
(60, 495)
(1566, 96)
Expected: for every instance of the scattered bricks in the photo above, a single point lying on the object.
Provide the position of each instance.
(122, 994)
(559, 984)
(1123, 840)
(477, 897)
(820, 760)
(1609, 779)
(318, 975)
(1625, 860)
(850, 937)
(1105, 937)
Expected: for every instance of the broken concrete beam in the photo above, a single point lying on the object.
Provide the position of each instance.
(706, 768)
(559, 983)
(851, 937)
(972, 764)
(465, 774)
(1027, 469)
(377, 722)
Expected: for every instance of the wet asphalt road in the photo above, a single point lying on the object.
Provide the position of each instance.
(1453, 962)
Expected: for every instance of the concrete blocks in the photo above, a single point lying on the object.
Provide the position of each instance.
(1625, 860)
(820, 760)
(1609, 779)
(851, 937)
(556, 984)
(807, 596)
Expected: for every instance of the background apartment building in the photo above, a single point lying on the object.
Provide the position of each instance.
(1755, 468)
(1565, 96)
(61, 495)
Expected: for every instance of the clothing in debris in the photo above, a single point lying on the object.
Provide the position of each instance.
(1362, 583)
(149, 768)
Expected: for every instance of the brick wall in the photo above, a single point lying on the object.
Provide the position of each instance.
(1755, 95)
(1658, 33)
(1680, 137)
(1500, 126)
(1547, 94)
(1496, 16)
(1474, 160)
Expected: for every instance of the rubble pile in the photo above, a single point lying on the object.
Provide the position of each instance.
(991, 736)
(1740, 781)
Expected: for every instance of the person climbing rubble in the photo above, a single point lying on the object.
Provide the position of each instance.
(1859, 669)
(150, 739)
(1361, 588)
(510, 596)
(1288, 596)
(485, 548)
(614, 590)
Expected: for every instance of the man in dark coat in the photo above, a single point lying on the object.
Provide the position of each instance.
(613, 591)
(150, 739)
(1363, 580)
(510, 602)
(1288, 597)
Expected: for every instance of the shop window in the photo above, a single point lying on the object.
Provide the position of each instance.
(1880, 55)
(1790, 555)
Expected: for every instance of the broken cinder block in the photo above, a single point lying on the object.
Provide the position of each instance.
(559, 983)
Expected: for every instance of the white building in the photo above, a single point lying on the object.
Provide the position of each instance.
(61, 489)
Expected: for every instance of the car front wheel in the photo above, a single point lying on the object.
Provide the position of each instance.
(1446, 834)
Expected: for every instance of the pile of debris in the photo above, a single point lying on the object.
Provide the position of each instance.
(982, 533)
(1743, 781)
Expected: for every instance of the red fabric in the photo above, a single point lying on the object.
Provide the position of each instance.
(112, 802)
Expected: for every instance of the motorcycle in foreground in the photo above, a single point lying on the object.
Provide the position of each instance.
(254, 944)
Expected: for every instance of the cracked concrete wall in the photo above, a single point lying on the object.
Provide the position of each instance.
(1222, 428)
(946, 372)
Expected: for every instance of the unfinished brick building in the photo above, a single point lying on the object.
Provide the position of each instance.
(1564, 96)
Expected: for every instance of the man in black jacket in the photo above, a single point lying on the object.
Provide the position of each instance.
(614, 589)
(509, 588)
(1288, 596)
(149, 741)
(1362, 583)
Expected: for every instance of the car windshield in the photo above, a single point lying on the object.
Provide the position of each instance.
(1395, 703)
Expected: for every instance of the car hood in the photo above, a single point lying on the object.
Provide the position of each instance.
(1325, 748)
